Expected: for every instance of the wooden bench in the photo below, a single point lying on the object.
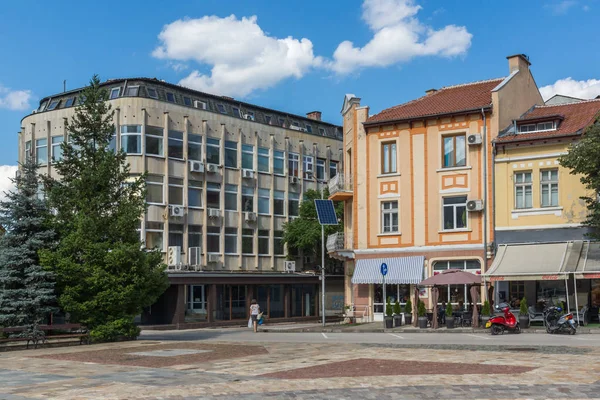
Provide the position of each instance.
(66, 331)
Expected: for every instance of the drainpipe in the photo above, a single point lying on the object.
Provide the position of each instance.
(485, 202)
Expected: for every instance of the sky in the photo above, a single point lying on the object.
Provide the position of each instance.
(296, 56)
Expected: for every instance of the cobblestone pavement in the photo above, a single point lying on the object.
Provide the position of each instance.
(220, 370)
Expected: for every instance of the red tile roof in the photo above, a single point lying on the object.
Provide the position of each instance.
(575, 117)
(447, 100)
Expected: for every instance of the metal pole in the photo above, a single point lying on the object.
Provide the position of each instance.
(384, 299)
(576, 302)
(323, 273)
(567, 290)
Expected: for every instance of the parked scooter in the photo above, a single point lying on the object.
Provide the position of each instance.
(507, 322)
(556, 322)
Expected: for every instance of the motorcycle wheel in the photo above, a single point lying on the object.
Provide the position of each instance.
(497, 330)
(572, 331)
(518, 328)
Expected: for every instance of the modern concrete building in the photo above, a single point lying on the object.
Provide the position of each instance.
(223, 178)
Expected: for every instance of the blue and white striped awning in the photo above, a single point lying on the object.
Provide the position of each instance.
(401, 270)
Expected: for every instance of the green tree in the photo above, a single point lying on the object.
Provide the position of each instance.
(26, 289)
(104, 277)
(304, 233)
(583, 159)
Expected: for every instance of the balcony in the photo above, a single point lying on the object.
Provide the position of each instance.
(340, 187)
(339, 248)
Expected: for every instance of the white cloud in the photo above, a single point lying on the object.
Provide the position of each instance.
(581, 89)
(7, 172)
(16, 100)
(398, 37)
(561, 7)
(242, 57)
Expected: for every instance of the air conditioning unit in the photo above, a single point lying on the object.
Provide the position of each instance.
(194, 256)
(474, 138)
(247, 174)
(475, 205)
(212, 168)
(293, 180)
(200, 104)
(249, 117)
(174, 256)
(196, 166)
(214, 258)
(250, 217)
(289, 266)
(176, 211)
(214, 213)
(296, 128)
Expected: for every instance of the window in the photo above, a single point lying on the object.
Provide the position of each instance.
(175, 144)
(53, 105)
(212, 151)
(131, 139)
(278, 202)
(264, 198)
(213, 234)
(247, 199)
(154, 235)
(132, 91)
(213, 195)
(115, 92)
(541, 126)
(333, 169)
(175, 191)
(231, 240)
(455, 212)
(187, 101)
(523, 190)
(389, 216)
(549, 187)
(69, 102)
(200, 104)
(308, 128)
(236, 112)
(516, 290)
(154, 184)
(231, 197)
(176, 235)
(170, 97)
(322, 131)
(320, 169)
(278, 162)
(194, 147)
(296, 124)
(282, 122)
(42, 106)
(293, 204)
(154, 140)
(249, 115)
(247, 241)
(263, 159)
(152, 93)
(41, 151)
(455, 294)
(221, 108)
(194, 236)
(278, 243)
(263, 242)
(293, 164)
(81, 99)
(230, 154)
(247, 156)
(56, 148)
(388, 158)
(27, 150)
(268, 119)
(454, 151)
(308, 167)
(194, 193)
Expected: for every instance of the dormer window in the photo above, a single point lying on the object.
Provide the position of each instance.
(540, 126)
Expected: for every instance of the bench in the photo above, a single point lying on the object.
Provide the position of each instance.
(535, 316)
(44, 332)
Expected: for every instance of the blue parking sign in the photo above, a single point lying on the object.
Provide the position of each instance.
(384, 269)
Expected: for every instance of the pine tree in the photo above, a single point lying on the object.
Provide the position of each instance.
(26, 289)
(104, 277)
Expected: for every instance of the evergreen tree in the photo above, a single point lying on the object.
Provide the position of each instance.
(26, 289)
(104, 277)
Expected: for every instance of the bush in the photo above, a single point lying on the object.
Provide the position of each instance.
(486, 310)
(523, 307)
(114, 330)
(449, 310)
(397, 308)
(422, 311)
(388, 307)
(408, 306)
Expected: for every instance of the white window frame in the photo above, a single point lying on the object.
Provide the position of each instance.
(251, 236)
(293, 197)
(229, 148)
(389, 158)
(454, 217)
(279, 196)
(194, 140)
(195, 186)
(213, 144)
(178, 186)
(293, 160)
(195, 230)
(544, 181)
(218, 235)
(321, 163)
(538, 127)
(27, 150)
(155, 93)
(203, 302)
(388, 210)
(248, 149)
(150, 134)
(125, 134)
(151, 229)
(56, 142)
(263, 153)
(231, 190)
(38, 150)
(280, 238)
(263, 237)
(135, 88)
(53, 105)
(523, 186)
(112, 91)
(156, 183)
(215, 188)
(333, 166)
(439, 266)
(231, 235)
(279, 155)
(245, 195)
(308, 163)
(176, 229)
(264, 194)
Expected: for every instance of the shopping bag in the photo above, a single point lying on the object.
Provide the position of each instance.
(260, 321)
(250, 323)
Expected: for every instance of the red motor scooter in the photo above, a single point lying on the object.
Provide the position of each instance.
(507, 322)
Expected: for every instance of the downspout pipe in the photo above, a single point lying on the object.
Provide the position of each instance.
(485, 197)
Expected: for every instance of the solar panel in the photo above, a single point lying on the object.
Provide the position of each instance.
(326, 212)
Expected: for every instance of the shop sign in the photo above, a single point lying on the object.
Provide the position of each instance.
(550, 277)
(592, 276)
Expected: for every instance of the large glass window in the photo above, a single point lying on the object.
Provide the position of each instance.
(231, 240)
(263, 159)
(212, 151)
(154, 186)
(293, 204)
(114, 93)
(213, 234)
(264, 198)
(175, 191)
(549, 187)
(455, 212)
(278, 202)
(195, 236)
(389, 216)
(154, 235)
(56, 148)
(247, 241)
(194, 193)
(523, 190)
(197, 303)
(388, 158)
(230, 154)
(176, 144)
(263, 242)
(456, 294)
(213, 195)
(154, 141)
(308, 167)
(176, 235)
(41, 151)
(248, 156)
(247, 198)
(320, 169)
(278, 162)
(333, 169)
(194, 147)
(131, 139)
(27, 150)
(170, 97)
(293, 164)
(454, 151)
(278, 243)
(231, 197)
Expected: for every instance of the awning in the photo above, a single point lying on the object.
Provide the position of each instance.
(589, 262)
(523, 262)
(401, 270)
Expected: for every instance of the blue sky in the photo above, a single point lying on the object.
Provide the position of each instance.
(291, 55)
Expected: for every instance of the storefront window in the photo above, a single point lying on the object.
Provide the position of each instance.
(456, 294)
(302, 301)
(551, 292)
(394, 292)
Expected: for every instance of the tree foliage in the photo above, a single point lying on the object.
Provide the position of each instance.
(104, 278)
(583, 159)
(26, 289)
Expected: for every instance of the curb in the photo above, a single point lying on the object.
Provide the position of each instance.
(415, 330)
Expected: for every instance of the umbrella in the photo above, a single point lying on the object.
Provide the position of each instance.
(435, 293)
(475, 298)
(452, 277)
(414, 307)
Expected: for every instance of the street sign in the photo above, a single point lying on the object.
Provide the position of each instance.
(384, 269)
(326, 212)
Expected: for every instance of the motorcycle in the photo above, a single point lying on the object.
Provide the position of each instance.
(507, 322)
(556, 323)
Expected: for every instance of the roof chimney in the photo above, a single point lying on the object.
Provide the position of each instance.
(316, 115)
(518, 62)
(430, 91)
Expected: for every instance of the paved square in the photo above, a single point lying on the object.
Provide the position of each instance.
(169, 353)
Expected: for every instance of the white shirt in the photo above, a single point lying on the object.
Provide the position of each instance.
(254, 309)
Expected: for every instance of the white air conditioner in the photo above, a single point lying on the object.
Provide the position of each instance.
(214, 213)
(304, 130)
(289, 266)
(475, 205)
(474, 139)
(250, 217)
(176, 211)
(212, 168)
(249, 117)
(174, 256)
(293, 180)
(247, 174)
(296, 128)
(200, 104)
(194, 256)
(214, 258)
(196, 166)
